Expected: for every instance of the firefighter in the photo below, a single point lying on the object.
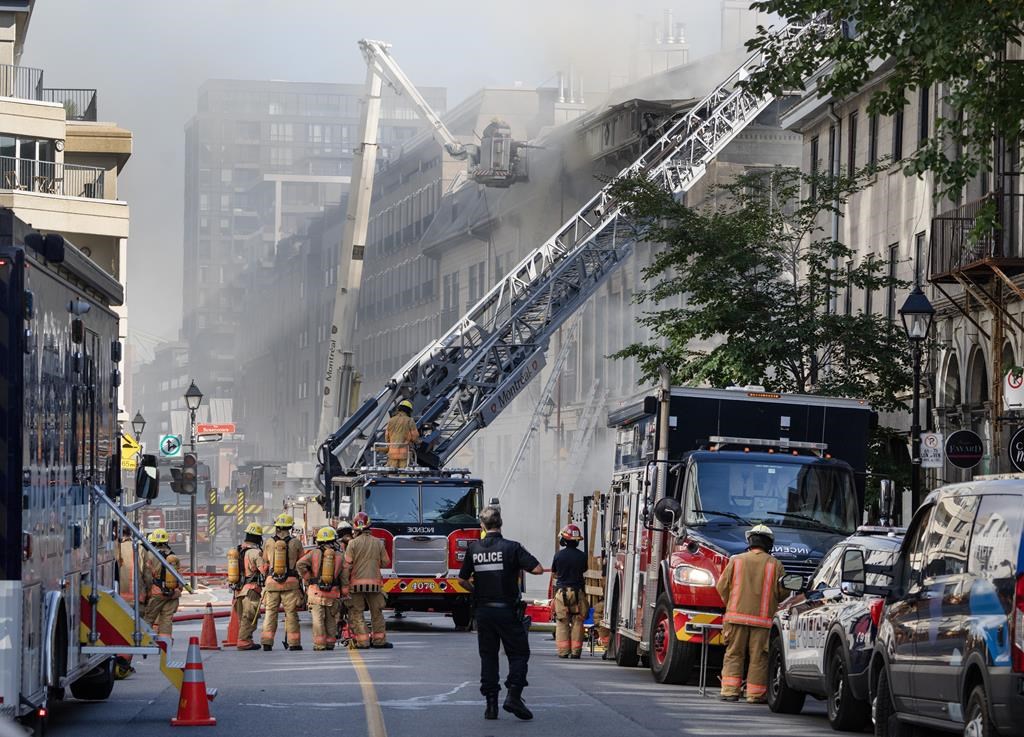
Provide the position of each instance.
(321, 569)
(568, 567)
(345, 534)
(750, 587)
(361, 579)
(126, 585)
(161, 589)
(283, 588)
(401, 435)
(496, 565)
(251, 575)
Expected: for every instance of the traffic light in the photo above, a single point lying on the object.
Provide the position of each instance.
(189, 473)
(176, 480)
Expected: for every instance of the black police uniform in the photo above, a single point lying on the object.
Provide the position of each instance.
(496, 564)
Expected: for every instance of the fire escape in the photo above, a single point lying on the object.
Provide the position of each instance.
(986, 263)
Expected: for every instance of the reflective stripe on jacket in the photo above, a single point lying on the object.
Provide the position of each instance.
(750, 588)
(365, 555)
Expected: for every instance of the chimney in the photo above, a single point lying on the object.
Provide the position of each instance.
(561, 87)
(669, 27)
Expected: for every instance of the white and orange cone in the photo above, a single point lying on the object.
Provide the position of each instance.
(193, 702)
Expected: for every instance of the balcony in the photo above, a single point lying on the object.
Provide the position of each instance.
(26, 83)
(47, 177)
(958, 251)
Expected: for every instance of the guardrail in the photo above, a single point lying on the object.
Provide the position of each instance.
(49, 177)
(79, 103)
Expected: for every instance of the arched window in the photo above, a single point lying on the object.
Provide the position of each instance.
(951, 396)
(977, 380)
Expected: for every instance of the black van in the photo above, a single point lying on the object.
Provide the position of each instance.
(950, 647)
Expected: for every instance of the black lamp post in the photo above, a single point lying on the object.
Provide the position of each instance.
(916, 313)
(193, 398)
(138, 425)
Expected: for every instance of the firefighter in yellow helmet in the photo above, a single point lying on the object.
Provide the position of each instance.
(401, 435)
(283, 588)
(751, 588)
(251, 574)
(364, 557)
(160, 588)
(321, 569)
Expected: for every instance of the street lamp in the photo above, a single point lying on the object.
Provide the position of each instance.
(138, 425)
(916, 314)
(193, 398)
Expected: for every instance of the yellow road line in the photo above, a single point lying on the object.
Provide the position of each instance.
(374, 717)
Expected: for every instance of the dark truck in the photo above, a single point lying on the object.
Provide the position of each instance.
(735, 458)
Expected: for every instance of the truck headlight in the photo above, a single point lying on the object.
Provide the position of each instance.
(691, 576)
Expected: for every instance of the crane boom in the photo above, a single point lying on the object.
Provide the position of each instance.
(460, 382)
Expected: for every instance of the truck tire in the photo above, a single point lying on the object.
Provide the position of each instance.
(845, 712)
(886, 722)
(626, 655)
(977, 721)
(97, 684)
(462, 617)
(671, 661)
(781, 698)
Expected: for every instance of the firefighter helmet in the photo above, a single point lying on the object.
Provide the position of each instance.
(345, 528)
(762, 530)
(254, 528)
(406, 405)
(361, 521)
(284, 521)
(571, 532)
(326, 535)
(159, 535)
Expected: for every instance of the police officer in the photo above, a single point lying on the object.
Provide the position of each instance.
(568, 567)
(495, 565)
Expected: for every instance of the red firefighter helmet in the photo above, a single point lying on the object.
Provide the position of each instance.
(571, 532)
(361, 521)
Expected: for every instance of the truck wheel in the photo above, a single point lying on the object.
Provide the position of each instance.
(671, 661)
(845, 713)
(886, 722)
(977, 722)
(626, 655)
(97, 684)
(462, 617)
(781, 698)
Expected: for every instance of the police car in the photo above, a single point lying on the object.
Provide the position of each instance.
(822, 636)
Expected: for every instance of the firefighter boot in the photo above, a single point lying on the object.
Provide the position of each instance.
(491, 712)
(514, 703)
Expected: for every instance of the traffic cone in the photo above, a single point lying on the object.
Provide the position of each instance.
(208, 637)
(232, 639)
(193, 702)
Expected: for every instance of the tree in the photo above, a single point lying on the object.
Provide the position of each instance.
(747, 291)
(962, 44)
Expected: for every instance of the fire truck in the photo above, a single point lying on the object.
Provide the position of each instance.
(694, 470)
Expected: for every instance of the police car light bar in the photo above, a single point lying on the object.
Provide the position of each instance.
(785, 443)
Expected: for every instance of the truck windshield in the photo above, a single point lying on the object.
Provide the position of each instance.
(392, 502)
(783, 494)
(452, 505)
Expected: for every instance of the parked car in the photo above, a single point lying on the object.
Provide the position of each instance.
(823, 637)
(950, 647)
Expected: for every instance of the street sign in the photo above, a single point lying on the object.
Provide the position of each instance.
(1016, 449)
(128, 464)
(226, 428)
(931, 450)
(170, 446)
(1013, 389)
(129, 445)
(964, 449)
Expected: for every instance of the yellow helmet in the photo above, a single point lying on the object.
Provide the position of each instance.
(326, 535)
(285, 521)
(159, 535)
(405, 404)
(254, 528)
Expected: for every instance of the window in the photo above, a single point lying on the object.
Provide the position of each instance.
(280, 156)
(851, 149)
(912, 564)
(873, 139)
(225, 176)
(948, 535)
(833, 164)
(923, 116)
(897, 136)
(452, 505)
(918, 255)
(995, 545)
(814, 167)
(281, 132)
(827, 575)
(868, 291)
(848, 299)
(890, 290)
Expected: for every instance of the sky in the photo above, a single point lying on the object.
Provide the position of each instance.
(147, 59)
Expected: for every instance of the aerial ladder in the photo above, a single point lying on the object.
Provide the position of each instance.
(461, 381)
(495, 162)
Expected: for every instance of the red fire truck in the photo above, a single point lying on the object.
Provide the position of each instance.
(693, 471)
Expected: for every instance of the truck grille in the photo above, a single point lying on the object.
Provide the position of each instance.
(420, 556)
(805, 567)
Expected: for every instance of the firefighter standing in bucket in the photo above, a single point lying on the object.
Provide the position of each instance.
(247, 572)
(361, 579)
(321, 569)
(751, 590)
(568, 568)
(401, 435)
(160, 589)
(282, 553)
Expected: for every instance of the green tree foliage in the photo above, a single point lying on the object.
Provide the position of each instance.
(961, 44)
(745, 291)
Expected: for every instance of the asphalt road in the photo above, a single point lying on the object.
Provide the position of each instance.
(427, 685)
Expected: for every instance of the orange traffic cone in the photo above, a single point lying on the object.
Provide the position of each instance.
(193, 702)
(232, 639)
(208, 637)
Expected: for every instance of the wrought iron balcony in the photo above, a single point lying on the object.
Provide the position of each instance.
(960, 247)
(48, 177)
(26, 83)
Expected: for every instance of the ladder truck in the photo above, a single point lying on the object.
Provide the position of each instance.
(460, 382)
